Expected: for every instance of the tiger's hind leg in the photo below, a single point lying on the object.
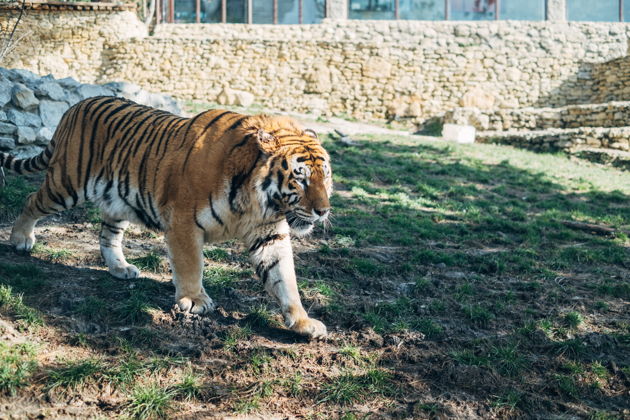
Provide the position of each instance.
(39, 204)
(112, 231)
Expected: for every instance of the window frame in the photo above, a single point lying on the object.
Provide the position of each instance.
(447, 9)
(170, 11)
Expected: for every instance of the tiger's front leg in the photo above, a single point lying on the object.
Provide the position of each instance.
(272, 256)
(185, 246)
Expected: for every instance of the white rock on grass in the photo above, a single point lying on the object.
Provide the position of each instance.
(459, 133)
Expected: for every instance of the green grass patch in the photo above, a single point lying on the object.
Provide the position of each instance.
(149, 401)
(28, 318)
(152, 262)
(74, 375)
(17, 364)
(349, 388)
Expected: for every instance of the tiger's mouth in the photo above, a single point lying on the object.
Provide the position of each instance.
(299, 225)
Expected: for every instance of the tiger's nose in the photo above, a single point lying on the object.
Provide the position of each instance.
(321, 213)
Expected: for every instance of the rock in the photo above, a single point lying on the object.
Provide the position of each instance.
(5, 91)
(26, 135)
(226, 97)
(377, 68)
(318, 80)
(459, 133)
(124, 89)
(317, 106)
(24, 76)
(26, 151)
(72, 98)
(24, 97)
(23, 118)
(478, 98)
(89, 91)
(44, 135)
(7, 128)
(243, 98)
(51, 112)
(7, 143)
(51, 90)
(68, 83)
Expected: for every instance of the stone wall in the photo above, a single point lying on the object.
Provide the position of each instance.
(376, 69)
(68, 40)
(610, 114)
(410, 70)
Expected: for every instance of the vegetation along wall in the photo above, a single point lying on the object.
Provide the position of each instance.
(363, 69)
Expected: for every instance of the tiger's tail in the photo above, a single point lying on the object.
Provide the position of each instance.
(25, 166)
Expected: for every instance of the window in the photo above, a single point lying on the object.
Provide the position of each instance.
(473, 9)
(448, 9)
(422, 9)
(372, 9)
(594, 11)
(236, 11)
(521, 10)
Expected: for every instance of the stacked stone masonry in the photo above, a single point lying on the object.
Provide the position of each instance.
(364, 69)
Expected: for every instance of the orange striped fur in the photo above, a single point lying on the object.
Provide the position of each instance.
(216, 176)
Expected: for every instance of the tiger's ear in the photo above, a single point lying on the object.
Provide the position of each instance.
(311, 133)
(266, 141)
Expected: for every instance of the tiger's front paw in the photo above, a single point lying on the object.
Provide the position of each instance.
(310, 327)
(125, 272)
(200, 303)
(22, 241)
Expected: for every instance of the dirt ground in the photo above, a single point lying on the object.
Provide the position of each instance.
(434, 311)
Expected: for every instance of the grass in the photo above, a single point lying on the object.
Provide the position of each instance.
(151, 262)
(73, 375)
(149, 401)
(27, 317)
(17, 364)
(445, 267)
(349, 388)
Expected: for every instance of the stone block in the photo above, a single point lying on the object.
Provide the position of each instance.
(7, 143)
(7, 128)
(89, 91)
(23, 97)
(459, 133)
(44, 135)
(51, 90)
(5, 91)
(26, 135)
(51, 112)
(20, 118)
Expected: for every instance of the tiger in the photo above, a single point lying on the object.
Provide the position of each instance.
(217, 176)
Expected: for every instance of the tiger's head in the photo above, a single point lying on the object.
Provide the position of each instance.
(297, 182)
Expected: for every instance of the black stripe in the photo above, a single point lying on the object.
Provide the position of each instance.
(262, 242)
(212, 121)
(263, 270)
(197, 221)
(238, 123)
(214, 214)
(237, 182)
